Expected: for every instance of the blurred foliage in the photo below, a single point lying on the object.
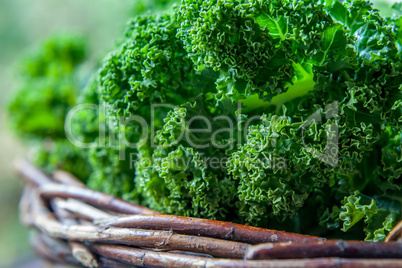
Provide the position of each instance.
(141, 6)
(49, 87)
(385, 7)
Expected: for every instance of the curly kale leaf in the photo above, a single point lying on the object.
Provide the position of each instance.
(224, 35)
(108, 159)
(49, 89)
(62, 155)
(56, 57)
(327, 109)
(278, 110)
(177, 175)
(396, 22)
(39, 108)
(112, 173)
(141, 6)
(378, 219)
(276, 169)
(150, 67)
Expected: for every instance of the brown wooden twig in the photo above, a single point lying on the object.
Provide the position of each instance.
(51, 249)
(79, 251)
(50, 189)
(209, 228)
(81, 224)
(25, 207)
(395, 234)
(83, 255)
(67, 179)
(330, 248)
(31, 173)
(307, 263)
(142, 238)
(136, 237)
(83, 210)
(97, 199)
(147, 258)
(108, 263)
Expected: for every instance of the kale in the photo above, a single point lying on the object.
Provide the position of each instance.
(268, 111)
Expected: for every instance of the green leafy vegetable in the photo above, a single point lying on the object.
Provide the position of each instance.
(50, 87)
(281, 114)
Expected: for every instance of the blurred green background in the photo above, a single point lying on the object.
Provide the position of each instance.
(22, 24)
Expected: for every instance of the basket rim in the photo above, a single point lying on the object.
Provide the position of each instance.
(87, 228)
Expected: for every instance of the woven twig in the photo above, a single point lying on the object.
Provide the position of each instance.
(87, 228)
(395, 234)
(79, 250)
(147, 258)
(209, 228)
(335, 248)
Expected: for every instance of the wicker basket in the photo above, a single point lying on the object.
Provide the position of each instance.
(77, 226)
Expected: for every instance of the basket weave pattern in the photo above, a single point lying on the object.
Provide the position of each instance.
(81, 227)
